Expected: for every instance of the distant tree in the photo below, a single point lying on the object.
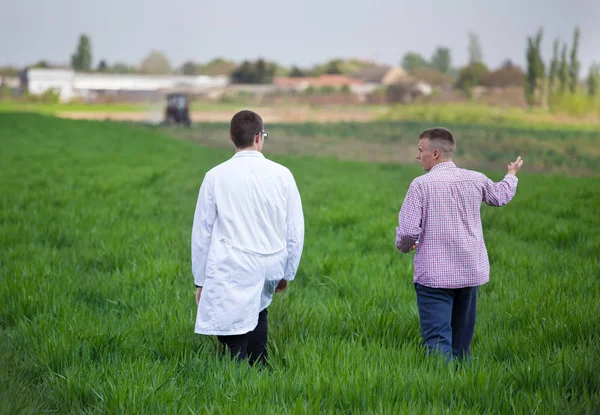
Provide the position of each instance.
(155, 63)
(40, 64)
(432, 76)
(9, 71)
(310, 90)
(351, 66)
(441, 60)
(189, 68)
(339, 66)
(413, 60)
(563, 70)
(102, 66)
(470, 76)
(399, 93)
(243, 74)
(333, 67)
(554, 66)
(593, 80)
(296, 72)
(280, 70)
(81, 60)
(508, 75)
(265, 71)
(122, 68)
(475, 53)
(259, 72)
(217, 66)
(508, 63)
(260, 69)
(272, 69)
(534, 79)
(574, 66)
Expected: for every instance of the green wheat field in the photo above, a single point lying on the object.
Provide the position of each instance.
(97, 299)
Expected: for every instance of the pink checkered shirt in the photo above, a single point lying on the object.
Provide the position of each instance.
(442, 212)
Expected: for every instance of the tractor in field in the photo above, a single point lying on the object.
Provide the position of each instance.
(177, 110)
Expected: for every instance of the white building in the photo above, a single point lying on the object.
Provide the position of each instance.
(70, 84)
(39, 81)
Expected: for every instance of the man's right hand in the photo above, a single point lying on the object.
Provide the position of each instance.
(514, 167)
(281, 287)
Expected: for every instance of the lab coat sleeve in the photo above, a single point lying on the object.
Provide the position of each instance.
(204, 219)
(295, 230)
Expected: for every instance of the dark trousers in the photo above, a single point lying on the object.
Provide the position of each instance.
(447, 318)
(251, 345)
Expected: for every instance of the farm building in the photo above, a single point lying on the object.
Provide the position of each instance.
(381, 75)
(90, 86)
(302, 83)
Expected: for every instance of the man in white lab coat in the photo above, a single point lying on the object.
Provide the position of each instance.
(247, 240)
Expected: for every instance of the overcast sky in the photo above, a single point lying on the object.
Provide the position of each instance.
(299, 32)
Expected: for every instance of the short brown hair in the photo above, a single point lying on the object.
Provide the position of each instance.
(244, 127)
(442, 139)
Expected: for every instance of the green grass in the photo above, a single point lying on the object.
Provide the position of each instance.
(159, 105)
(485, 115)
(97, 300)
(480, 115)
(56, 108)
(52, 108)
(570, 151)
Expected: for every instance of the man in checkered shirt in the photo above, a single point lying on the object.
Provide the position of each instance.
(440, 218)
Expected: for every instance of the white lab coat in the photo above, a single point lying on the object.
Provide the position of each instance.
(247, 235)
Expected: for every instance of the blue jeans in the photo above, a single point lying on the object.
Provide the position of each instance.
(447, 318)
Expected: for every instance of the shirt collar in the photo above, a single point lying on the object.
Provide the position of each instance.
(249, 153)
(443, 165)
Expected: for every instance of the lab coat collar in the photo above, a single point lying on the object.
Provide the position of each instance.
(248, 153)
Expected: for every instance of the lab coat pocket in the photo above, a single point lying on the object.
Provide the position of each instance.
(242, 269)
(275, 267)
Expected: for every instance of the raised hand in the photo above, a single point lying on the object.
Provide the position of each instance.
(514, 167)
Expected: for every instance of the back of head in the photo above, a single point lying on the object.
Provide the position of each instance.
(442, 139)
(243, 128)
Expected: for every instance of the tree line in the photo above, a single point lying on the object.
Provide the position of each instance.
(541, 82)
(545, 83)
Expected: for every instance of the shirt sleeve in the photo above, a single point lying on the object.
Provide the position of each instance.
(204, 219)
(499, 194)
(295, 230)
(409, 219)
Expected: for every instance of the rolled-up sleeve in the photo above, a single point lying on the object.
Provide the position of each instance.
(499, 194)
(295, 230)
(409, 219)
(204, 219)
